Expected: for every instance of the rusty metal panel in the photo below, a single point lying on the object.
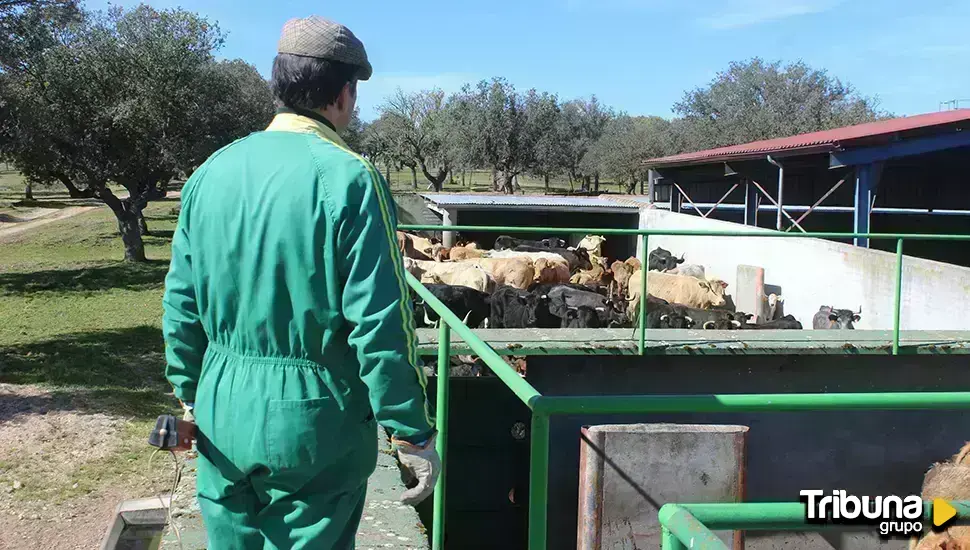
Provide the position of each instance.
(627, 472)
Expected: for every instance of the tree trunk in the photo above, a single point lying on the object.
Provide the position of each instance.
(463, 178)
(508, 183)
(414, 176)
(546, 181)
(387, 173)
(142, 224)
(586, 184)
(28, 191)
(596, 183)
(127, 214)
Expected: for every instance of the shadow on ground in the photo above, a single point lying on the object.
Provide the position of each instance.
(131, 276)
(118, 372)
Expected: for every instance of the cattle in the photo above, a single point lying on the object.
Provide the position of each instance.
(576, 257)
(662, 314)
(689, 270)
(776, 307)
(621, 275)
(405, 243)
(513, 308)
(788, 322)
(543, 289)
(450, 273)
(467, 303)
(562, 298)
(829, 318)
(634, 263)
(662, 260)
(514, 272)
(581, 317)
(678, 289)
(549, 271)
(593, 245)
(599, 275)
(719, 319)
(458, 253)
(504, 242)
(441, 254)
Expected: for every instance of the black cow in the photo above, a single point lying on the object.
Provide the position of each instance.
(788, 322)
(504, 242)
(662, 260)
(514, 308)
(831, 318)
(716, 319)
(562, 298)
(581, 317)
(540, 289)
(667, 316)
(468, 304)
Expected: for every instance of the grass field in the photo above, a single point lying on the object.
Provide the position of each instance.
(81, 358)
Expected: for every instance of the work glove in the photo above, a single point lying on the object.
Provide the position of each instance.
(424, 464)
(188, 411)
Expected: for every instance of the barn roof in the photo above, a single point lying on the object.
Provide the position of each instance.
(878, 132)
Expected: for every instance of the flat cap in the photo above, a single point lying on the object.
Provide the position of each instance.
(318, 37)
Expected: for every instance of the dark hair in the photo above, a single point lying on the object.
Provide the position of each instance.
(301, 82)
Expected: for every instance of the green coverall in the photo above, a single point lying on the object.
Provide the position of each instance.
(287, 322)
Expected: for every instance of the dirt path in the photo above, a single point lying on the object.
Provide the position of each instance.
(42, 216)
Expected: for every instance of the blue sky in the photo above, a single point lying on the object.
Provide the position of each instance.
(636, 55)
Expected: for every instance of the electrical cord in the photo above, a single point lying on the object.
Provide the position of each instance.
(175, 484)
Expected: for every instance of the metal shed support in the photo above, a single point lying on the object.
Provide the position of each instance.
(866, 180)
(651, 185)
(449, 216)
(751, 203)
(675, 198)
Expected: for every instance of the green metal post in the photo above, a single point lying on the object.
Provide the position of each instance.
(538, 481)
(441, 444)
(899, 295)
(669, 542)
(685, 527)
(644, 270)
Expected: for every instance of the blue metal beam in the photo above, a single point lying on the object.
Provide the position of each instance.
(751, 197)
(675, 199)
(865, 182)
(904, 148)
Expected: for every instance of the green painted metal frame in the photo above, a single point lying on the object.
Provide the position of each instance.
(679, 521)
(691, 525)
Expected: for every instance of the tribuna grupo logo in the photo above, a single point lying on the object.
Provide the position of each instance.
(893, 515)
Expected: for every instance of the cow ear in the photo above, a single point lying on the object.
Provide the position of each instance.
(855, 318)
(703, 284)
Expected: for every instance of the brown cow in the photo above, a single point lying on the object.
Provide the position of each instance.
(412, 246)
(634, 262)
(549, 271)
(621, 274)
(950, 481)
(598, 276)
(678, 289)
(459, 253)
(515, 272)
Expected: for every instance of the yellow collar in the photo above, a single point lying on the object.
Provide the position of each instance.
(289, 122)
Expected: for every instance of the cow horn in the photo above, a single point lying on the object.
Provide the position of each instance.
(860, 310)
(736, 324)
(709, 325)
(688, 319)
(664, 317)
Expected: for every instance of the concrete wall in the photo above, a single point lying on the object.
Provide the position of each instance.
(815, 272)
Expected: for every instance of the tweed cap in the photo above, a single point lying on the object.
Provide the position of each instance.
(318, 37)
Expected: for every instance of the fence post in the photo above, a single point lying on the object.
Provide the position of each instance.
(899, 295)
(441, 444)
(538, 481)
(644, 259)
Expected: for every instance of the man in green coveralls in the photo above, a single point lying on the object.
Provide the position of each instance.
(289, 334)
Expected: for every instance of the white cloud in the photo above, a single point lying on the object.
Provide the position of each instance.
(743, 13)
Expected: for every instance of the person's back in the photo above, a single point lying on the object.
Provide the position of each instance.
(286, 319)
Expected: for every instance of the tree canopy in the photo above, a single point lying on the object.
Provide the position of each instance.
(139, 99)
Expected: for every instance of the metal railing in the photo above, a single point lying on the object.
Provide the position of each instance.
(544, 407)
(690, 525)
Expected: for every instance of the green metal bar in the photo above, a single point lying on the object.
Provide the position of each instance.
(686, 232)
(635, 404)
(899, 295)
(644, 258)
(538, 481)
(669, 541)
(772, 516)
(441, 444)
(522, 389)
(691, 532)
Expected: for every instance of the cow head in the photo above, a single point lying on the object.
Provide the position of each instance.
(581, 317)
(553, 242)
(675, 319)
(722, 324)
(716, 289)
(844, 319)
(583, 256)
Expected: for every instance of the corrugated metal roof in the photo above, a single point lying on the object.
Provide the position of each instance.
(820, 141)
(462, 199)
